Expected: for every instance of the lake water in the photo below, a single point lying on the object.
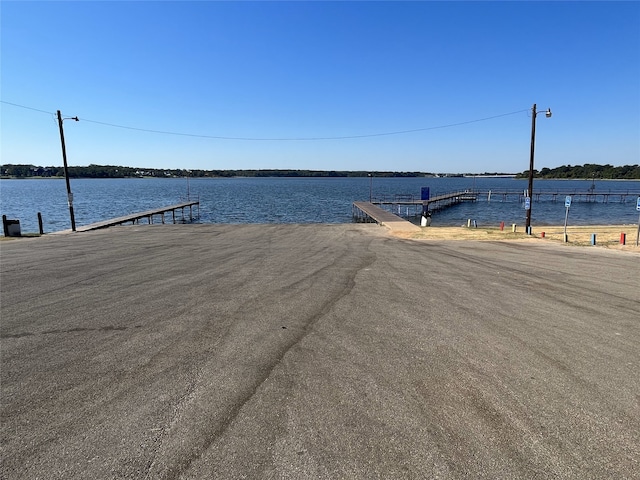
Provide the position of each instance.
(303, 200)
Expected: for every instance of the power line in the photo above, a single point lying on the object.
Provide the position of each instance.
(280, 139)
(28, 108)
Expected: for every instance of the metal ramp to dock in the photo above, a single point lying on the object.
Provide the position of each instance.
(367, 210)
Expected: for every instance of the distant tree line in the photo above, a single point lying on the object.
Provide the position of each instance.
(588, 171)
(92, 171)
(112, 171)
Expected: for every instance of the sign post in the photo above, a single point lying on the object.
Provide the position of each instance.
(527, 207)
(638, 232)
(567, 204)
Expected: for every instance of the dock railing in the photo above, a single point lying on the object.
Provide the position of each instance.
(590, 195)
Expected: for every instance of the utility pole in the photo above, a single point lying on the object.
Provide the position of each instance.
(534, 114)
(530, 191)
(66, 171)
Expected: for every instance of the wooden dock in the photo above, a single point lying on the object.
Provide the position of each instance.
(149, 215)
(433, 204)
(367, 211)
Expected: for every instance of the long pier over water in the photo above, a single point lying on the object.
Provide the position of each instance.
(149, 215)
(408, 205)
(591, 195)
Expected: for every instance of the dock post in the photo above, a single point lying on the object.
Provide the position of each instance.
(593, 239)
(40, 224)
(173, 214)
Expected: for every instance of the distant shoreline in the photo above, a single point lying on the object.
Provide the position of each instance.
(568, 172)
(4, 177)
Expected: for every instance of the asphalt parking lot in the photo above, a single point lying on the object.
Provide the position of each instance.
(315, 351)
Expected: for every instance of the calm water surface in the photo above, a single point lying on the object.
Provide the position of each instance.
(301, 200)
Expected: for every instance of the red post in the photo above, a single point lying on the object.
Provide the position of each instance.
(542, 234)
(623, 238)
(501, 226)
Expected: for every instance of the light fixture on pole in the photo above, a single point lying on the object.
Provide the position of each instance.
(66, 170)
(534, 114)
(370, 186)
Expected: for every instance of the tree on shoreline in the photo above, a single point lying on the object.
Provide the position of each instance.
(587, 171)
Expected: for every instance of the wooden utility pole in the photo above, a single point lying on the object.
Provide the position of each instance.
(66, 172)
(530, 191)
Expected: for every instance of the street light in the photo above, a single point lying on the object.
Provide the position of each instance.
(534, 114)
(66, 170)
(370, 175)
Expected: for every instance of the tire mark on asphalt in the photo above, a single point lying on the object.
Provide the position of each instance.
(539, 277)
(355, 262)
(107, 328)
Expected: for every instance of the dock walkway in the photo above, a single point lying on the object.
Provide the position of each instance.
(383, 217)
(149, 214)
(591, 195)
(456, 197)
(420, 205)
(432, 204)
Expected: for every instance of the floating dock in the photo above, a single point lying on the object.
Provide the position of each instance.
(149, 215)
(435, 203)
(419, 205)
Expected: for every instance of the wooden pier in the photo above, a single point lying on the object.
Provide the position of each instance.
(149, 215)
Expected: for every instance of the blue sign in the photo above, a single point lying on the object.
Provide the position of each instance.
(424, 193)
(567, 201)
(527, 203)
(638, 205)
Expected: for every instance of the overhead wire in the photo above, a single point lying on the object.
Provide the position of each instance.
(219, 137)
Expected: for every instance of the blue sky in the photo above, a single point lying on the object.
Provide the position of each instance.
(266, 75)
